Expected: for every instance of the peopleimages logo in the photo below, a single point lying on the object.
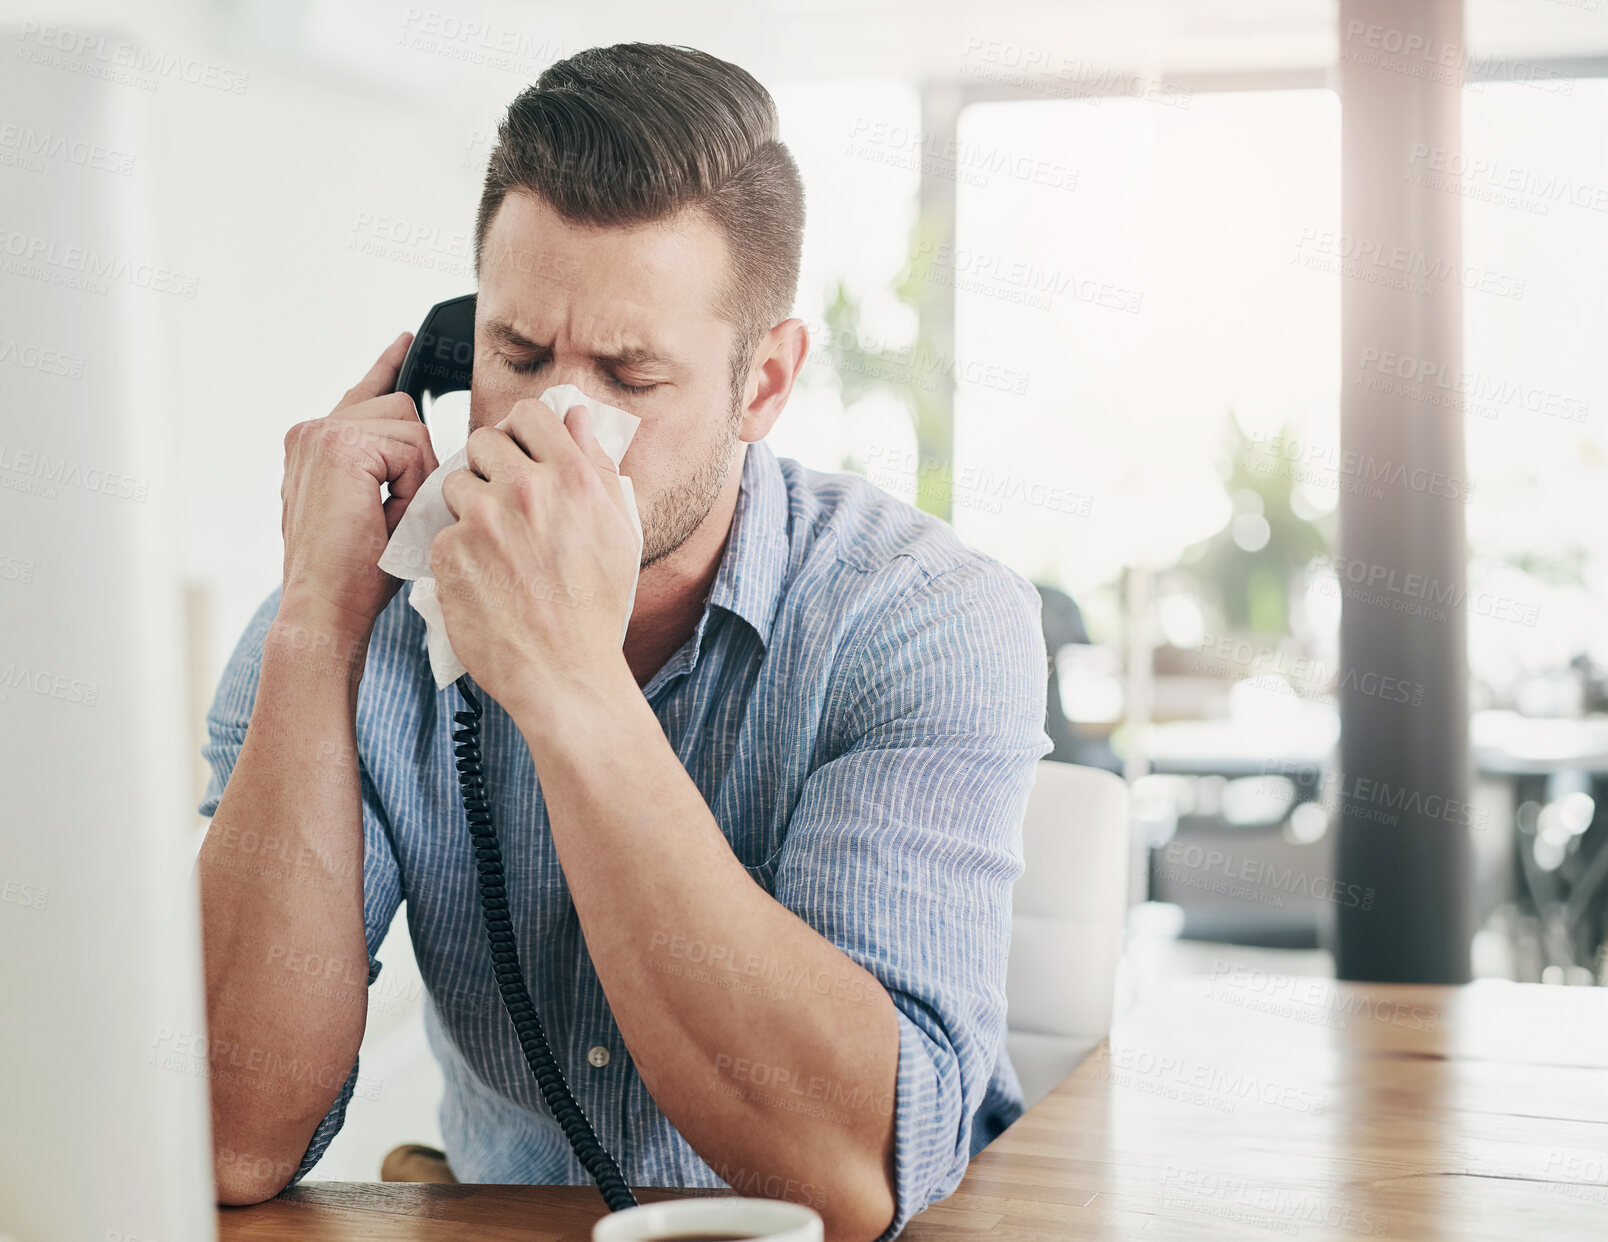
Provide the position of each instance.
(1361, 797)
(1268, 877)
(83, 267)
(979, 159)
(383, 236)
(1432, 383)
(1275, 1208)
(47, 685)
(1435, 60)
(1057, 75)
(1493, 180)
(27, 147)
(1306, 461)
(1398, 266)
(1269, 667)
(1213, 1086)
(720, 959)
(1419, 593)
(45, 361)
(784, 1087)
(996, 275)
(95, 55)
(1324, 996)
(973, 486)
(509, 49)
(914, 365)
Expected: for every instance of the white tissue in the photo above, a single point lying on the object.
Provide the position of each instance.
(407, 555)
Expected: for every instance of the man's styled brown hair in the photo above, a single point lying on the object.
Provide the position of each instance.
(643, 131)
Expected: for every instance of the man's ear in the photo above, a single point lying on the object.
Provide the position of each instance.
(777, 362)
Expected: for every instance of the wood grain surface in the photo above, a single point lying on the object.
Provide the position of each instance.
(1244, 1106)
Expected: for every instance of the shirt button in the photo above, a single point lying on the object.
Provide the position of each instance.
(598, 1056)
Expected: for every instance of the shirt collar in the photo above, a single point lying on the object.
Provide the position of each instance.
(754, 565)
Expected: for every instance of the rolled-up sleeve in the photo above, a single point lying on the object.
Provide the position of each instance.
(227, 722)
(905, 844)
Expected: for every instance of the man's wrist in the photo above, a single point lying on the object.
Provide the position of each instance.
(565, 708)
(308, 632)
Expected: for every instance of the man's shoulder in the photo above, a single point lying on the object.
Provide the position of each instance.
(876, 546)
(917, 626)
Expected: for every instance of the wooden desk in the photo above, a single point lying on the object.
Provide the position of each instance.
(1232, 1108)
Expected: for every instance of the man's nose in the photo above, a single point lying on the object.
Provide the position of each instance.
(534, 386)
(582, 377)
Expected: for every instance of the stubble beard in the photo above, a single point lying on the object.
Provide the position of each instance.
(686, 504)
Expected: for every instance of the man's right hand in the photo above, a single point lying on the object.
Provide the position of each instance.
(334, 524)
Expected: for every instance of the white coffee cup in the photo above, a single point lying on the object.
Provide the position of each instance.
(765, 1220)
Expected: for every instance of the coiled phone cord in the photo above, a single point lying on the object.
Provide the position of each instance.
(505, 962)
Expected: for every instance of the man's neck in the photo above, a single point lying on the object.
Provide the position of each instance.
(671, 592)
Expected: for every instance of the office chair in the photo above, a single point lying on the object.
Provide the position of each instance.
(1068, 912)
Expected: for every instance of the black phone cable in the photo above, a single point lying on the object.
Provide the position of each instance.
(505, 962)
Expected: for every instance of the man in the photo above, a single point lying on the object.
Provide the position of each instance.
(760, 860)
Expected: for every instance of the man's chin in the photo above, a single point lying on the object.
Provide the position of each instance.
(659, 545)
(659, 554)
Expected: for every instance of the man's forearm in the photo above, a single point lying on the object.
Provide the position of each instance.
(281, 874)
(771, 1051)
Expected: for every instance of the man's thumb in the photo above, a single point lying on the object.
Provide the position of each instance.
(381, 377)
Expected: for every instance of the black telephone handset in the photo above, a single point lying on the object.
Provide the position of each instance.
(440, 361)
(442, 355)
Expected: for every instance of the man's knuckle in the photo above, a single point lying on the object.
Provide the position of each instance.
(469, 502)
(575, 473)
(480, 507)
(399, 405)
(298, 434)
(526, 486)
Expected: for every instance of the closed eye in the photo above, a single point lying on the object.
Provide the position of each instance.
(529, 366)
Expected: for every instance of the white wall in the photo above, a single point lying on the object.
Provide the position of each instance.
(262, 196)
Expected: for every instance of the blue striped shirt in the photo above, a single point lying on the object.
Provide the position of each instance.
(861, 706)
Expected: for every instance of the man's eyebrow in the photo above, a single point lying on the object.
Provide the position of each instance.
(629, 355)
(507, 334)
(634, 356)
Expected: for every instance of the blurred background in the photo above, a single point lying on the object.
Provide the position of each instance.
(1075, 275)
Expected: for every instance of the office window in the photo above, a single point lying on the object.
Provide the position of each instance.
(1535, 194)
(858, 146)
(1166, 290)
